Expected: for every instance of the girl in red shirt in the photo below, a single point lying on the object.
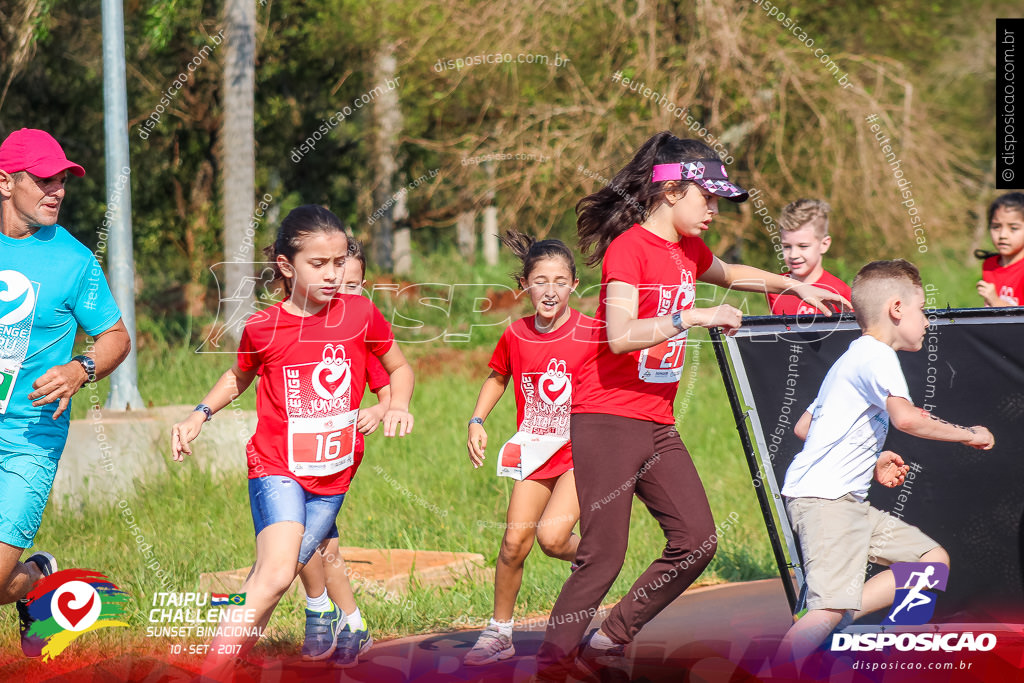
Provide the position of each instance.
(1002, 274)
(645, 228)
(311, 353)
(540, 354)
(326, 575)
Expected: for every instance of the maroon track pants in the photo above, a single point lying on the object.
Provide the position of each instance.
(615, 457)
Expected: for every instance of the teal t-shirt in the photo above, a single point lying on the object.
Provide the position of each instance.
(50, 284)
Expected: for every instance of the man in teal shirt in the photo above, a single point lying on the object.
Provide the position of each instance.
(50, 285)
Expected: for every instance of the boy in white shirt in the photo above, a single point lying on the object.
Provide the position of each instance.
(844, 428)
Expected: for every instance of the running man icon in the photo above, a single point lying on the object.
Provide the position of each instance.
(914, 580)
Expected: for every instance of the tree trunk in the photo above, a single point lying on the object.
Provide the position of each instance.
(238, 156)
(388, 116)
(401, 251)
(465, 234)
(489, 233)
(195, 216)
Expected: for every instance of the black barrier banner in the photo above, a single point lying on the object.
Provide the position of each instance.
(970, 371)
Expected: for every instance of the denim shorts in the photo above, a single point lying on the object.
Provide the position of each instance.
(25, 483)
(276, 498)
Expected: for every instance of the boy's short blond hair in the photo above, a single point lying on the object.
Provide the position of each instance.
(803, 211)
(877, 282)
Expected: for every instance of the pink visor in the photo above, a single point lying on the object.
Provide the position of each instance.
(708, 173)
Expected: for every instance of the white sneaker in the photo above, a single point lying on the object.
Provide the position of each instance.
(491, 646)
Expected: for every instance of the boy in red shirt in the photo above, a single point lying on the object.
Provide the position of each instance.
(805, 239)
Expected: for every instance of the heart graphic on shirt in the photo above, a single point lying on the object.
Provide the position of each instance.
(17, 298)
(331, 376)
(330, 381)
(554, 386)
(687, 291)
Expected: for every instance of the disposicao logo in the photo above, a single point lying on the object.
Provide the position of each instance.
(914, 605)
(71, 602)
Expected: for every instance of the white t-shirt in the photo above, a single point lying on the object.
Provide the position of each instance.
(849, 423)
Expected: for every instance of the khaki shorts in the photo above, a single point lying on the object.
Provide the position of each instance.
(839, 537)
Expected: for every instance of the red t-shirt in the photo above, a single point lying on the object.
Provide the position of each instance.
(790, 304)
(1009, 280)
(642, 384)
(542, 368)
(307, 399)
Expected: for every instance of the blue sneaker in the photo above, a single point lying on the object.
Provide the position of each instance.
(351, 644)
(322, 629)
(32, 646)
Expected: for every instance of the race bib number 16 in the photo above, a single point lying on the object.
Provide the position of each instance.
(319, 446)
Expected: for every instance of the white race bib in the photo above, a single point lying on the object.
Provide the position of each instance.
(319, 446)
(524, 453)
(663, 364)
(9, 370)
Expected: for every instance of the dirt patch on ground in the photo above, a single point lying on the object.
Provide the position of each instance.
(448, 361)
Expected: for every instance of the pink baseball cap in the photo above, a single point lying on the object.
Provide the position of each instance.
(37, 152)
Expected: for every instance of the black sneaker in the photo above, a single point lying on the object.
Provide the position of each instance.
(597, 664)
(32, 646)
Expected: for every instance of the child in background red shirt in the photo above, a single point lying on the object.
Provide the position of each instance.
(310, 352)
(540, 354)
(805, 239)
(1002, 274)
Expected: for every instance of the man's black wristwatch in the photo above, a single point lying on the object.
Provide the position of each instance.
(89, 365)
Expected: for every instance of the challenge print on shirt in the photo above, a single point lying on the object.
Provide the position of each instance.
(664, 363)
(321, 428)
(548, 400)
(17, 311)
